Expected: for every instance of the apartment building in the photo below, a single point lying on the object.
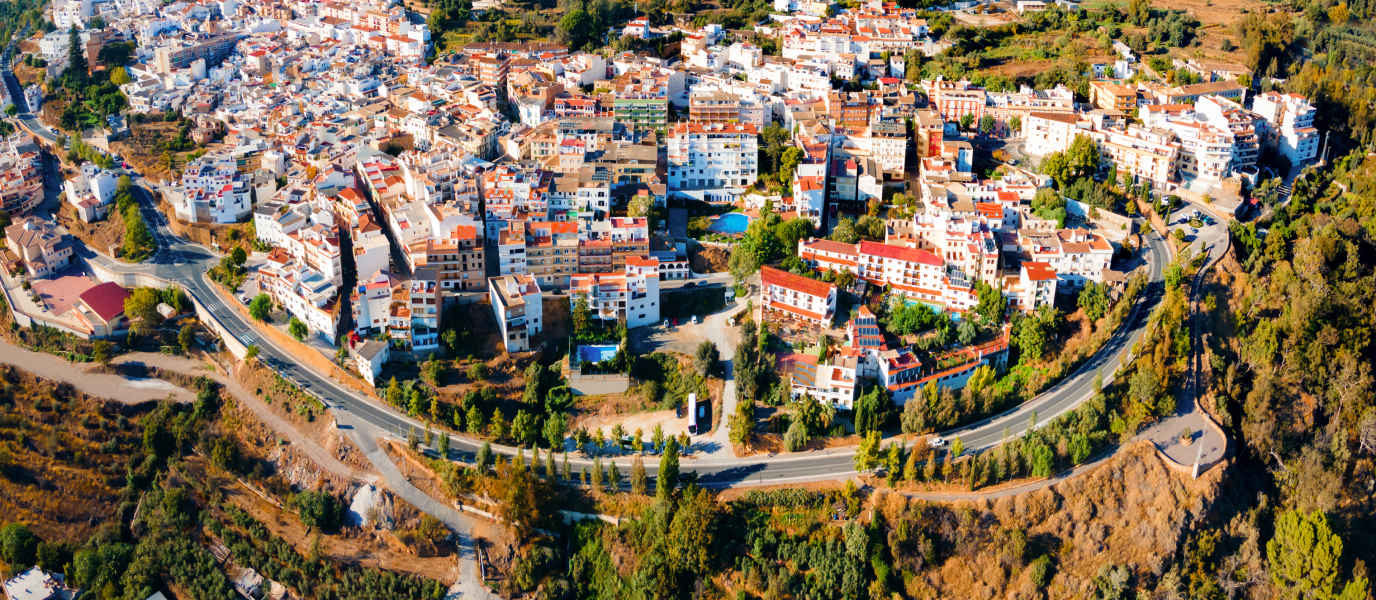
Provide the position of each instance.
(302, 291)
(492, 69)
(808, 300)
(1291, 125)
(1112, 95)
(641, 100)
(1075, 256)
(608, 246)
(630, 297)
(888, 141)
(1206, 152)
(912, 272)
(415, 320)
(372, 250)
(1048, 132)
(955, 99)
(1248, 129)
(317, 247)
(371, 301)
(21, 176)
(714, 107)
(38, 247)
(712, 161)
(180, 53)
(1145, 153)
(1034, 287)
(517, 306)
(551, 253)
(458, 257)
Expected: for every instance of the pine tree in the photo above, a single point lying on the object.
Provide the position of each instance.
(568, 475)
(613, 478)
(76, 64)
(550, 472)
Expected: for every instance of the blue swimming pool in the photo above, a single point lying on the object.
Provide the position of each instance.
(596, 353)
(730, 223)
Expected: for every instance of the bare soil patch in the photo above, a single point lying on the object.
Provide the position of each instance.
(708, 259)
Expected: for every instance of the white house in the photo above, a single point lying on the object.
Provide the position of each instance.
(518, 306)
(369, 358)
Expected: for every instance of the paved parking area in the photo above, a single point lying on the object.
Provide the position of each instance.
(683, 337)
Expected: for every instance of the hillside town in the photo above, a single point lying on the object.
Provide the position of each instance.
(876, 238)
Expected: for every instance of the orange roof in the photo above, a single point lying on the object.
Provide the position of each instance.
(900, 253)
(797, 283)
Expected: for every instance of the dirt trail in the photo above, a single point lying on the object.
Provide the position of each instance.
(133, 391)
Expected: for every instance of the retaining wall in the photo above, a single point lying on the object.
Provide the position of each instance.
(299, 350)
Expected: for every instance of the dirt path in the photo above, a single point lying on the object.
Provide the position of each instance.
(196, 368)
(133, 391)
(114, 387)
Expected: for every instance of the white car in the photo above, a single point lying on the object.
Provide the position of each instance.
(695, 319)
(937, 442)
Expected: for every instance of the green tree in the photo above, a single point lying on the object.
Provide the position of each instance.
(251, 353)
(556, 428)
(142, 306)
(966, 120)
(797, 437)
(668, 471)
(706, 357)
(986, 124)
(1094, 300)
(867, 455)
(991, 304)
(239, 256)
(119, 76)
(1306, 559)
(77, 68)
(1015, 125)
(484, 457)
(103, 352)
(18, 546)
(743, 264)
(523, 428)
(261, 307)
(186, 337)
(582, 316)
(297, 329)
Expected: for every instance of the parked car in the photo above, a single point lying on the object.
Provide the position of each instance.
(938, 442)
(695, 319)
(691, 284)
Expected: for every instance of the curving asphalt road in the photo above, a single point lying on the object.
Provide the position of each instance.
(186, 264)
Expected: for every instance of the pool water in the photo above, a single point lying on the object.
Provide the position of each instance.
(596, 353)
(730, 223)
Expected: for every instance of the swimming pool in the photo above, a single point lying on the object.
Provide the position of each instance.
(596, 353)
(730, 223)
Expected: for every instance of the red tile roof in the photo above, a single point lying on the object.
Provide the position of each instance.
(868, 248)
(798, 283)
(106, 300)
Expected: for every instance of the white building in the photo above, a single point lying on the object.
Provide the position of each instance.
(631, 297)
(213, 191)
(711, 161)
(372, 301)
(517, 305)
(369, 358)
(832, 382)
(302, 291)
(37, 584)
(1048, 132)
(809, 300)
(1291, 120)
(1035, 287)
(91, 191)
